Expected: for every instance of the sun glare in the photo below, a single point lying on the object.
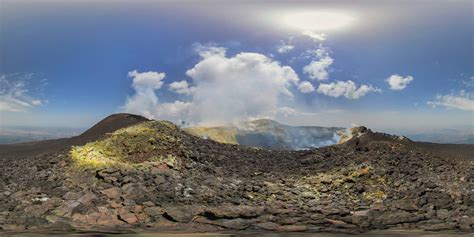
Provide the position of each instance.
(317, 20)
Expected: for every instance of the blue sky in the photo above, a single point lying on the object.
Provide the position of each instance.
(69, 63)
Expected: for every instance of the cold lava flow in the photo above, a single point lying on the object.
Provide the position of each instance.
(129, 173)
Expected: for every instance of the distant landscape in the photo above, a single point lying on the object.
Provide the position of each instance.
(10, 135)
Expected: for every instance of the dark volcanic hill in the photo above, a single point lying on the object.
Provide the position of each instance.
(152, 174)
(106, 125)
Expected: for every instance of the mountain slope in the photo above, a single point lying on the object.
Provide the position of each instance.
(270, 134)
(154, 175)
(106, 125)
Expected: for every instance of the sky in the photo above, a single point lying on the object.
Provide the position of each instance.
(388, 65)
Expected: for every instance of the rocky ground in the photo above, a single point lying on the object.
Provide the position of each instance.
(153, 175)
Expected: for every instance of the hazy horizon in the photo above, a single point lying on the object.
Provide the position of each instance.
(405, 67)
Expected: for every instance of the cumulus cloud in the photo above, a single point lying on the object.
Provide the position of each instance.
(347, 89)
(462, 100)
(15, 95)
(144, 101)
(146, 80)
(317, 69)
(181, 87)
(176, 111)
(225, 89)
(305, 87)
(398, 82)
(245, 85)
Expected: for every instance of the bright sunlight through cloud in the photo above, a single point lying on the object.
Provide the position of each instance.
(320, 21)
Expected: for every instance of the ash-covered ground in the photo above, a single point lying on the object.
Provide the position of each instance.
(128, 173)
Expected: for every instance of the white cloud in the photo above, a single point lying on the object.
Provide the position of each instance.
(144, 101)
(398, 82)
(225, 89)
(15, 95)
(181, 87)
(284, 48)
(321, 52)
(317, 69)
(305, 87)
(462, 100)
(209, 50)
(315, 36)
(242, 86)
(347, 89)
(176, 111)
(147, 80)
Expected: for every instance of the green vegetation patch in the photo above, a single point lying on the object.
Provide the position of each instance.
(152, 141)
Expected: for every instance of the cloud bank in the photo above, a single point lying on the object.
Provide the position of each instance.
(462, 100)
(224, 89)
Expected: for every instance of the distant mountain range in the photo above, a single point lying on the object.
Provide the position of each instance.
(9, 135)
(270, 134)
(453, 136)
(257, 133)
